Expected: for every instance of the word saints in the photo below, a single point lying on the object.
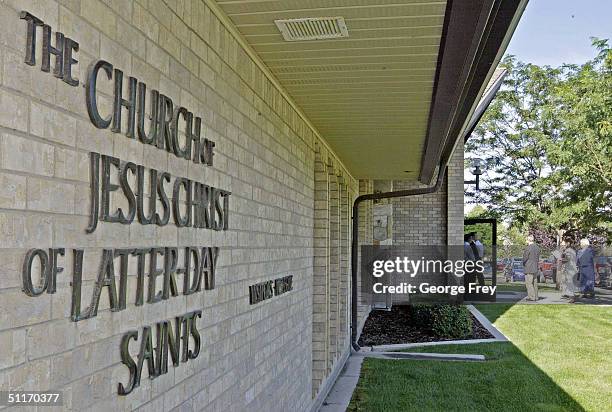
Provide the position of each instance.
(168, 341)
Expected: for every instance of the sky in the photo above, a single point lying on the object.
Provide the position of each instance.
(552, 32)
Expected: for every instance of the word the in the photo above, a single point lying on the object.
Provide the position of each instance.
(62, 51)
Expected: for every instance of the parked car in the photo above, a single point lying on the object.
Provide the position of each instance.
(546, 270)
(515, 271)
(488, 270)
(604, 267)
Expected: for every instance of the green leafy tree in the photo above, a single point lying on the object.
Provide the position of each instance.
(483, 229)
(547, 145)
(582, 156)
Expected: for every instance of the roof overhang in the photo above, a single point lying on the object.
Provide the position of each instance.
(393, 98)
(477, 34)
(492, 88)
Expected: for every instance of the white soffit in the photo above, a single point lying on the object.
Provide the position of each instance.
(317, 28)
(368, 94)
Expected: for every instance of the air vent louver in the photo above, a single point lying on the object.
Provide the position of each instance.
(312, 28)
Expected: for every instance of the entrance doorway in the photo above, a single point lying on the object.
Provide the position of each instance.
(486, 233)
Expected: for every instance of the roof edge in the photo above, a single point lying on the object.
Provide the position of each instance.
(477, 35)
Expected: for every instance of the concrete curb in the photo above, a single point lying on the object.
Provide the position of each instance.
(498, 336)
(423, 356)
(487, 324)
(400, 346)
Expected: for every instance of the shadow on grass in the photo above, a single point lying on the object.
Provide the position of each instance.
(507, 381)
(493, 311)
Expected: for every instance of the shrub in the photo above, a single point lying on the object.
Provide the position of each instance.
(443, 321)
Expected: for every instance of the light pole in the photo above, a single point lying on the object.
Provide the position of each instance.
(477, 171)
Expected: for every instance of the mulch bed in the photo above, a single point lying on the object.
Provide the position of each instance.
(393, 327)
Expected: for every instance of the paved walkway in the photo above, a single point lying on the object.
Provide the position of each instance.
(340, 395)
(552, 296)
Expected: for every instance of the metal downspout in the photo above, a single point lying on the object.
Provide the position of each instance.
(355, 239)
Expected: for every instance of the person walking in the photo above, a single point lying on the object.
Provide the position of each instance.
(478, 249)
(468, 256)
(531, 260)
(586, 268)
(568, 271)
(555, 268)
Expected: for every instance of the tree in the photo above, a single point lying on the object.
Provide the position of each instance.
(582, 157)
(547, 145)
(483, 229)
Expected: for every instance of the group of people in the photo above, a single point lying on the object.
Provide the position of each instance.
(576, 270)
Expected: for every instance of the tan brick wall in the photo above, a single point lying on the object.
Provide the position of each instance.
(419, 220)
(454, 198)
(253, 357)
(333, 202)
(435, 218)
(365, 238)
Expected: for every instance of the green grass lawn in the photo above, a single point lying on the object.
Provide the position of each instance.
(560, 359)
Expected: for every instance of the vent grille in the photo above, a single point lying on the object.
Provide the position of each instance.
(312, 28)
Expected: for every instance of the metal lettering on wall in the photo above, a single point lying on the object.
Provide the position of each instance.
(192, 204)
(270, 288)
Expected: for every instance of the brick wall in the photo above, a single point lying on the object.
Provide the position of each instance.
(454, 197)
(255, 357)
(333, 202)
(366, 225)
(419, 220)
(435, 218)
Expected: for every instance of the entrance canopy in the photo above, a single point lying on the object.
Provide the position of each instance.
(390, 85)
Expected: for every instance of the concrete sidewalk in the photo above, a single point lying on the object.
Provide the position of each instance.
(551, 296)
(340, 396)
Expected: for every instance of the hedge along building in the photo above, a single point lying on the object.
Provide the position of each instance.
(176, 184)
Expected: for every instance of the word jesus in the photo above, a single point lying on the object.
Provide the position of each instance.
(205, 206)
